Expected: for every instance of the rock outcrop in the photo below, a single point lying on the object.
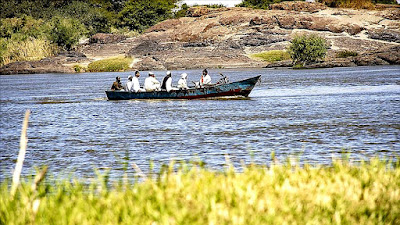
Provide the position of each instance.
(224, 38)
(56, 64)
(298, 6)
(102, 38)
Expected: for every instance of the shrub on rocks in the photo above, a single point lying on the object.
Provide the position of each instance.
(306, 49)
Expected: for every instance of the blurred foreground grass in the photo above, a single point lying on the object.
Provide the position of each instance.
(343, 193)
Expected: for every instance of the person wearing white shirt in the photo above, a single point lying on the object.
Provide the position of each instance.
(182, 83)
(151, 83)
(205, 78)
(129, 84)
(135, 81)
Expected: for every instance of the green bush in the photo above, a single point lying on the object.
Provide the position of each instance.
(79, 68)
(96, 19)
(272, 56)
(110, 65)
(24, 27)
(345, 54)
(306, 49)
(182, 11)
(66, 32)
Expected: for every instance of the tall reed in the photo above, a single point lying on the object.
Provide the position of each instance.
(29, 49)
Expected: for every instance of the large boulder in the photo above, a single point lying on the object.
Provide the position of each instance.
(384, 35)
(202, 11)
(260, 39)
(150, 63)
(390, 55)
(165, 25)
(233, 20)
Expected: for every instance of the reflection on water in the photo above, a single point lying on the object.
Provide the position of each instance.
(312, 114)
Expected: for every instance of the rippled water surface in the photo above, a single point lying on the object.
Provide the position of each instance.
(311, 114)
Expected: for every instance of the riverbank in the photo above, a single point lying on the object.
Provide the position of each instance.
(227, 38)
(282, 193)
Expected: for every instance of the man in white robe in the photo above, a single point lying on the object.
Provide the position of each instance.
(151, 83)
(182, 83)
(135, 81)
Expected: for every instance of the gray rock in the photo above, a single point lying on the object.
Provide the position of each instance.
(102, 38)
(384, 35)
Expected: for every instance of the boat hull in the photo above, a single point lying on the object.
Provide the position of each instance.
(239, 88)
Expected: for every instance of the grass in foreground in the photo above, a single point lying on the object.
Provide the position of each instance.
(368, 193)
(117, 64)
(271, 56)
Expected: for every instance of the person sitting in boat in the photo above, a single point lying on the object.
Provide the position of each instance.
(117, 86)
(167, 82)
(205, 78)
(135, 81)
(151, 83)
(129, 84)
(182, 83)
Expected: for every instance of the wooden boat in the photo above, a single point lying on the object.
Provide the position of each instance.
(238, 88)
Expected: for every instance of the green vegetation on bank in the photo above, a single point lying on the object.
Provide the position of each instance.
(343, 193)
(358, 4)
(27, 38)
(306, 49)
(272, 56)
(346, 53)
(45, 27)
(117, 64)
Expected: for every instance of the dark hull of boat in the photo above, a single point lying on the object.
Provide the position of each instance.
(239, 88)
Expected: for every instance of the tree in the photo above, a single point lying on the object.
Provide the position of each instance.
(141, 14)
(95, 18)
(66, 32)
(182, 11)
(306, 49)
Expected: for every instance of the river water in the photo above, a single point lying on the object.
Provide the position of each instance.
(313, 115)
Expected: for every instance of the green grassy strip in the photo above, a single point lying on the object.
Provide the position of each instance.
(271, 56)
(346, 53)
(118, 64)
(368, 193)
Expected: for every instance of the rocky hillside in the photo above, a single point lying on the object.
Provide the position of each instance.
(225, 37)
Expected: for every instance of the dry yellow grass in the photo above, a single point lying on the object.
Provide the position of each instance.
(30, 49)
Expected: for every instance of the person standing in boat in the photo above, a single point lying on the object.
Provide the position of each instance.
(117, 86)
(135, 81)
(151, 83)
(167, 82)
(182, 83)
(205, 78)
